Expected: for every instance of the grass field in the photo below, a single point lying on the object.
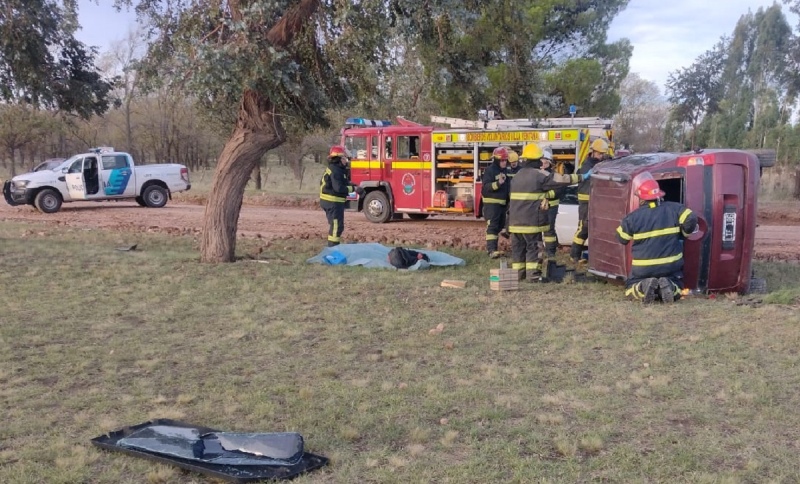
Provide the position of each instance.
(556, 383)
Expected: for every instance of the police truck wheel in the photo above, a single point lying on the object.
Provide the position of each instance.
(48, 201)
(377, 208)
(417, 216)
(154, 196)
(140, 201)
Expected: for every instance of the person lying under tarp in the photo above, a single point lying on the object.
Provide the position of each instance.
(376, 255)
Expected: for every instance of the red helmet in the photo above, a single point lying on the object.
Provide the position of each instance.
(500, 153)
(337, 150)
(649, 190)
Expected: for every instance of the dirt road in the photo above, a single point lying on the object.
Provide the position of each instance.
(777, 238)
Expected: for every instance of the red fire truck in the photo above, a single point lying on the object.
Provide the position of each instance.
(421, 170)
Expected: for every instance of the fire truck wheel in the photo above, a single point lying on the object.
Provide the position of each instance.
(377, 208)
(417, 216)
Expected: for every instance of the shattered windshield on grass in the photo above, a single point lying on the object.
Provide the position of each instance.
(224, 448)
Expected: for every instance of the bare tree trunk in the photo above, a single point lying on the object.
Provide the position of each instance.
(257, 131)
(13, 163)
(257, 176)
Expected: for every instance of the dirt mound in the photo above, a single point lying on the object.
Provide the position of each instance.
(260, 200)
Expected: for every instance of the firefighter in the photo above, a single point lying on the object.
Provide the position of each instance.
(599, 149)
(553, 196)
(495, 196)
(528, 213)
(333, 190)
(513, 163)
(657, 229)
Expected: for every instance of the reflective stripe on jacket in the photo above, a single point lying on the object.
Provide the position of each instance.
(493, 191)
(335, 185)
(529, 191)
(657, 231)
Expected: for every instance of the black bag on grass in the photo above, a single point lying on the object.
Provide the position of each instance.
(405, 258)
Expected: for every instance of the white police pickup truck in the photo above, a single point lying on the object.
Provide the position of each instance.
(101, 174)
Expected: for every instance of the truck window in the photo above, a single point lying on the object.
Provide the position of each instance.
(76, 166)
(357, 146)
(407, 147)
(374, 147)
(388, 147)
(115, 161)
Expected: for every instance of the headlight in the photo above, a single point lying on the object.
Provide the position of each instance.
(21, 183)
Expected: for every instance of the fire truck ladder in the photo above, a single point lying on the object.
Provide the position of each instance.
(544, 123)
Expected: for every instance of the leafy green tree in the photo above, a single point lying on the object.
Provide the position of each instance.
(643, 114)
(696, 91)
(41, 62)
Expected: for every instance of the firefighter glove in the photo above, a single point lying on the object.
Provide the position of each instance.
(586, 175)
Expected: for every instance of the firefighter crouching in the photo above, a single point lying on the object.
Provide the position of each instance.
(333, 190)
(528, 212)
(599, 150)
(657, 229)
(495, 195)
(553, 196)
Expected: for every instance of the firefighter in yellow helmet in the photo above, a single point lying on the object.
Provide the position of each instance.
(528, 212)
(513, 163)
(333, 190)
(599, 150)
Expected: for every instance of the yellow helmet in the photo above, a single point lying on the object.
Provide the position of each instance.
(600, 145)
(513, 157)
(531, 151)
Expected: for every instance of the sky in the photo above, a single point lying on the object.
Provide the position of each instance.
(666, 34)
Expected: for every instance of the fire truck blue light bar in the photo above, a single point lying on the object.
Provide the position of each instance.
(366, 122)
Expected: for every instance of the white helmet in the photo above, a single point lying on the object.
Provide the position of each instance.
(547, 154)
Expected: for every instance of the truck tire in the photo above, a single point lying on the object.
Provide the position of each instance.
(417, 216)
(48, 201)
(766, 157)
(155, 196)
(140, 201)
(377, 208)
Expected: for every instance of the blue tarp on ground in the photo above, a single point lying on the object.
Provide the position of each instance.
(376, 256)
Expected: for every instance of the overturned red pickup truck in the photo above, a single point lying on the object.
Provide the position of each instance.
(720, 186)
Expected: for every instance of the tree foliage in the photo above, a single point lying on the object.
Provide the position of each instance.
(41, 62)
(643, 114)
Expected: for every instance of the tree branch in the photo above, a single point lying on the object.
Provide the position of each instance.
(282, 33)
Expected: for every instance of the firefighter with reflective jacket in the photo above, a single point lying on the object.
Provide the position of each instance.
(657, 229)
(599, 150)
(495, 196)
(528, 212)
(333, 190)
(553, 196)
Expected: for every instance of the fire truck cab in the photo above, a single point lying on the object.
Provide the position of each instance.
(421, 170)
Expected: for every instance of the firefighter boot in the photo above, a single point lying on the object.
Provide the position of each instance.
(648, 288)
(666, 289)
(575, 252)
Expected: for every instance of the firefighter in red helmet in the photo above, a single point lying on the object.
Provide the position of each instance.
(333, 190)
(495, 198)
(657, 229)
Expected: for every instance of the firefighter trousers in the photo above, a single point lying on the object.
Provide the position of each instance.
(579, 241)
(550, 237)
(495, 215)
(526, 254)
(334, 212)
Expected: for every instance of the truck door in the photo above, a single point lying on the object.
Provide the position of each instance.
(117, 176)
(407, 179)
(74, 179)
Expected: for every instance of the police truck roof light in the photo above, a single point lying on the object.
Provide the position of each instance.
(366, 123)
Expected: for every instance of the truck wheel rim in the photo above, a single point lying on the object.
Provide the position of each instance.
(155, 197)
(375, 208)
(49, 202)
